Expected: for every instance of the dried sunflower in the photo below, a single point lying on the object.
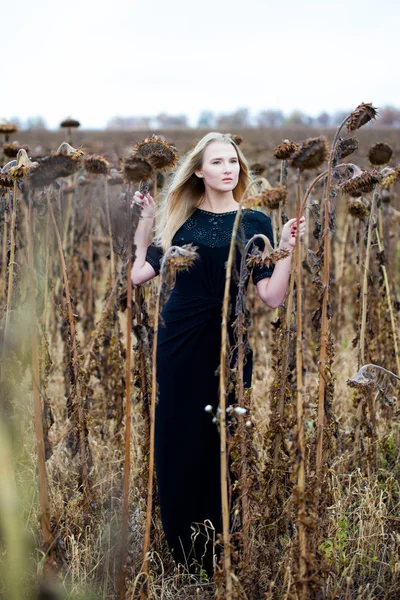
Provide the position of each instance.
(7, 128)
(50, 168)
(380, 154)
(390, 177)
(11, 150)
(97, 165)
(157, 151)
(70, 123)
(285, 150)
(237, 139)
(360, 116)
(6, 181)
(66, 149)
(257, 169)
(136, 169)
(362, 182)
(357, 207)
(345, 147)
(312, 154)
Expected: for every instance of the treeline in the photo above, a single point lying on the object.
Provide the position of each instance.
(241, 118)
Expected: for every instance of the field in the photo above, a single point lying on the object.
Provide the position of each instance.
(316, 455)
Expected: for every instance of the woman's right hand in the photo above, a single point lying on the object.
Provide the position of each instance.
(146, 204)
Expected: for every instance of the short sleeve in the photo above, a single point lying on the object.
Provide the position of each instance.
(153, 257)
(264, 227)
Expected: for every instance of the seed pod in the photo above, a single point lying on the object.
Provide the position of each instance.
(391, 177)
(380, 154)
(6, 181)
(11, 150)
(360, 116)
(136, 169)
(362, 182)
(237, 139)
(7, 128)
(97, 165)
(257, 169)
(357, 207)
(70, 123)
(285, 150)
(345, 147)
(312, 154)
(50, 168)
(157, 151)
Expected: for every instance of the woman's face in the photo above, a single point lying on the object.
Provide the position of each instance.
(221, 168)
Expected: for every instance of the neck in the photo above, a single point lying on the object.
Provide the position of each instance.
(218, 201)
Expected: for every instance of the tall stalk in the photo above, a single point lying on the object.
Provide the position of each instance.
(79, 409)
(43, 489)
(364, 290)
(128, 424)
(224, 475)
(301, 471)
(324, 315)
(11, 264)
(390, 307)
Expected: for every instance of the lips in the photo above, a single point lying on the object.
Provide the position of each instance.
(228, 179)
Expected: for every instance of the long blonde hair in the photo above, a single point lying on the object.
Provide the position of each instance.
(186, 191)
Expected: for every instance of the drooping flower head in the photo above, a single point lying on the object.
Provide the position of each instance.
(364, 113)
(157, 151)
(312, 154)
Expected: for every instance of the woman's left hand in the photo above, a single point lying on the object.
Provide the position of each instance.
(290, 231)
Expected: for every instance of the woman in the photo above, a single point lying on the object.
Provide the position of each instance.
(199, 207)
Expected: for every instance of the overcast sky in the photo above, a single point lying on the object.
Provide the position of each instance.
(94, 60)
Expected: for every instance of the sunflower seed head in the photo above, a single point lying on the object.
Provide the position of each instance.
(285, 150)
(7, 128)
(136, 169)
(358, 207)
(70, 123)
(364, 113)
(157, 151)
(312, 154)
(380, 154)
(362, 182)
(11, 150)
(345, 147)
(97, 165)
(391, 177)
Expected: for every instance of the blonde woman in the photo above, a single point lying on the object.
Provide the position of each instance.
(199, 207)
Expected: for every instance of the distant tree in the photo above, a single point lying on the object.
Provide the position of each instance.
(297, 117)
(164, 120)
(323, 119)
(239, 118)
(36, 123)
(125, 123)
(389, 115)
(206, 119)
(269, 118)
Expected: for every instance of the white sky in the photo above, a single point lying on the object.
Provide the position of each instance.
(93, 60)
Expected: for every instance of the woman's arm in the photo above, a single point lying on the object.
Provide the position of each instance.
(142, 271)
(272, 290)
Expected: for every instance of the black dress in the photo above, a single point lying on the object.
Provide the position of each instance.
(187, 445)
